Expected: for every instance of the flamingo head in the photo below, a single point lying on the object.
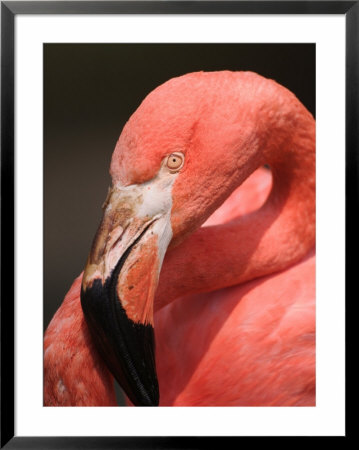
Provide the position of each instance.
(172, 167)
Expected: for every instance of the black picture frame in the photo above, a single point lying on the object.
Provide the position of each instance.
(9, 10)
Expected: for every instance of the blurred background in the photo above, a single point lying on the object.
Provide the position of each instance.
(90, 91)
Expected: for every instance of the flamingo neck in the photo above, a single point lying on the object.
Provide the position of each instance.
(74, 373)
(268, 240)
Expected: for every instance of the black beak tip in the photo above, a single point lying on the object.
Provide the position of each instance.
(127, 348)
(149, 400)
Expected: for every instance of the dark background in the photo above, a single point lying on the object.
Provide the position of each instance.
(90, 90)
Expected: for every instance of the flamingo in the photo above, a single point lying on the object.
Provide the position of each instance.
(204, 245)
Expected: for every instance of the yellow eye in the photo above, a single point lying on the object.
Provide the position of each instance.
(175, 161)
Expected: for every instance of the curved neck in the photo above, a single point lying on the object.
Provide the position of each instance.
(268, 240)
(74, 373)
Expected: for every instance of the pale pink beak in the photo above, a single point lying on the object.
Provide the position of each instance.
(118, 289)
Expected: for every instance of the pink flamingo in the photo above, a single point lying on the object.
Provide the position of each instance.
(235, 302)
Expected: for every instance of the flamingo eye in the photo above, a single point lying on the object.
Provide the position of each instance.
(175, 161)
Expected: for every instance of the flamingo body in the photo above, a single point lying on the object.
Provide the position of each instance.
(270, 359)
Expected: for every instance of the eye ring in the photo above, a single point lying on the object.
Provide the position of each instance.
(175, 161)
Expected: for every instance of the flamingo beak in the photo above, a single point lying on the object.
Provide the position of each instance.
(119, 285)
